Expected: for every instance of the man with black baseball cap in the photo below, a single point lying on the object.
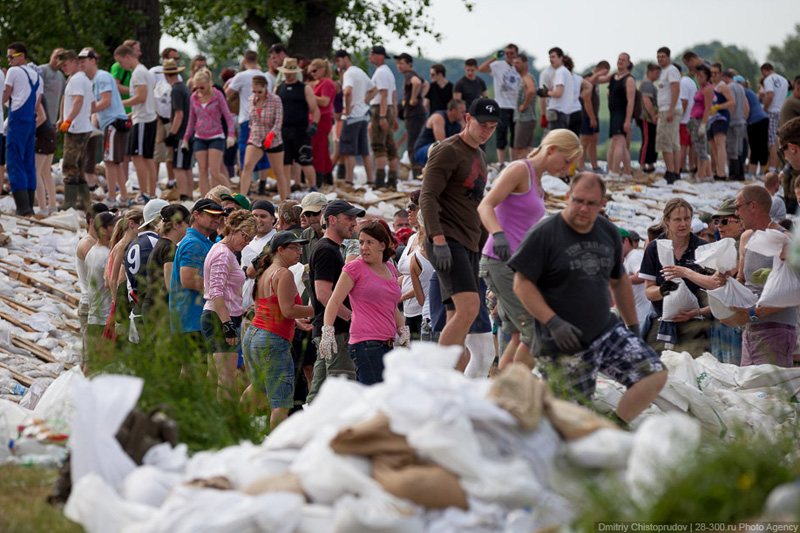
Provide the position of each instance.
(455, 178)
(381, 98)
(264, 212)
(412, 111)
(324, 267)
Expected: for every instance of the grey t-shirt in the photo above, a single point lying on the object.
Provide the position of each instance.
(648, 90)
(572, 271)
(54, 83)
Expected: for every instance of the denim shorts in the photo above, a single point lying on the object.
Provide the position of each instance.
(211, 326)
(201, 145)
(368, 358)
(269, 364)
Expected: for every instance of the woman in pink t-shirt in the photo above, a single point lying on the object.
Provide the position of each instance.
(376, 324)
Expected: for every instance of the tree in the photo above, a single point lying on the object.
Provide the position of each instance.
(308, 27)
(730, 56)
(786, 58)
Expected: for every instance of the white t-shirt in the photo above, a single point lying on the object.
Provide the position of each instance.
(383, 78)
(687, 92)
(779, 87)
(506, 84)
(632, 264)
(357, 79)
(668, 76)
(79, 85)
(2, 119)
(575, 101)
(562, 77)
(146, 112)
(99, 294)
(17, 79)
(242, 83)
(249, 253)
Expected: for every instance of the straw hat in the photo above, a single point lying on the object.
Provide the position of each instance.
(171, 67)
(290, 66)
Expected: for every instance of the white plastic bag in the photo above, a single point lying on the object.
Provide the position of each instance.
(720, 256)
(666, 254)
(732, 294)
(782, 288)
(767, 242)
(678, 301)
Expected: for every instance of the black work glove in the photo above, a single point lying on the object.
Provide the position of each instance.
(442, 258)
(501, 247)
(312, 129)
(229, 330)
(701, 269)
(667, 287)
(634, 329)
(542, 91)
(172, 140)
(566, 336)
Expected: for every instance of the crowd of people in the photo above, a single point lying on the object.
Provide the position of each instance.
(292, 293)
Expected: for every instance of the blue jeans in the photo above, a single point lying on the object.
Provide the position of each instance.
(269, 363)
(368, 357)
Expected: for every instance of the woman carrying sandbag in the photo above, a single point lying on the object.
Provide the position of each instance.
(682, 327)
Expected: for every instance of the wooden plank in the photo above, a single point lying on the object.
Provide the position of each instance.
(32, 261)
(22, 378)
(30, 281)
(10, 319)
(37, 351)
(41, 222)
(30, 311)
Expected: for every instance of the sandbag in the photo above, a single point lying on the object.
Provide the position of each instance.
(666, 254)
(732, 294)
(767, 242)
(782, 288)
(720, 256)
(678, 301)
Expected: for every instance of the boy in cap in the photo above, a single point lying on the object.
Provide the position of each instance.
(381, 99)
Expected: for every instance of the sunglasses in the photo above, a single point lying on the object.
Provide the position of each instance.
(309, 214)
(725, 221)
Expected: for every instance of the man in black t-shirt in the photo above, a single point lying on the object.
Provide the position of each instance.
(564, 269)
(324, 267)
(181, 159)
(412, 108)
(440, 91)
(470, 87)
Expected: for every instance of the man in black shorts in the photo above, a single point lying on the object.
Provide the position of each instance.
(564, 269)
(455, 177)
(181, 159)
(298, 102)
(354, 140)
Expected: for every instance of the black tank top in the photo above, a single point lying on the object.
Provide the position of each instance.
(426, 136)
(617, 97)
(295, 107)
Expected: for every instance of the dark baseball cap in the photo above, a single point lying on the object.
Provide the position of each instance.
(339, 207)
(405, 57)
(378, 49)
(285, 238)
(87, 52)
(209, 206)
(265, 205)
(485, 110)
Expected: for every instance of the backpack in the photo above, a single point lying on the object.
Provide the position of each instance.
(163, 96)
(637, 105)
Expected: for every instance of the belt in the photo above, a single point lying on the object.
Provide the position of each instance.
(390, 343)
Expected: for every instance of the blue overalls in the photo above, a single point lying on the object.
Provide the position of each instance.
(20, 140)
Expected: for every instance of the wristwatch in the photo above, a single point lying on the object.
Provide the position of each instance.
(752, 312)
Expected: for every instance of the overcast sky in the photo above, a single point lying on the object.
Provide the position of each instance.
(590, 30)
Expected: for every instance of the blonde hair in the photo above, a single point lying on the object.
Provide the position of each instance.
(564, 140)
(324, 65)
(240, 220)
(134, 214)
(203, 75)
(216, 193)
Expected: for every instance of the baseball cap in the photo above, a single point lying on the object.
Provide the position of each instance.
(378, 49)
(283, 238)
(698, 225)
(264, 205)
(485, 110)
(339, 207)
(625, 234)
(87, 52)
(209, 206)
(152, 211)
(634, 236)
(726, 209)
(314, 202)
(405, 57)
(739, 78)
(240, 199)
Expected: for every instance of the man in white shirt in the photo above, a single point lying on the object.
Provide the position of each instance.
(76, 125)
(23, 87)
(506, 82)
(632, 257)
(242, 84)
(688, 89)
(353, 140)
(384, 119)
(668, 89)
(560, 93)
(162, 93)
(142, 137)
(776, 87)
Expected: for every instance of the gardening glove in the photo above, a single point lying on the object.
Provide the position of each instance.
(64, 127)
(759, 277)
(184, 145)
(543, 122)
(230, 333)
(667, 287)
(442, 258)
(268, 140)
(566, 336)
(713, 110)
(327, 344)
(403, 337)
(172, 140)
(501, 247)
(230, 142)
(542, 91)
(312, 129)
(500, 54)
(701, 130)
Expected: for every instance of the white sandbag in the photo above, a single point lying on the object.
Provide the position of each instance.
(165, 457)
(782, 288)
(732, 294)
(768, 242)
(11, 416)
(96, 506)
(720, 256)
(101, 405)
(678, 301)
(57, 404)
(604, 448)
(363, 514)
(666, 254)
(315, 518)
(148, 485)
(662, 445)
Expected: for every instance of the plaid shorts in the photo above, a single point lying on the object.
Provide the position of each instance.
(774, 123)
(617, 353)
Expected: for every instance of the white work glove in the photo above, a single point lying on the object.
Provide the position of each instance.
(185, 145)
(327, 344)
(701, 130)
(230, 141)
(403, 337)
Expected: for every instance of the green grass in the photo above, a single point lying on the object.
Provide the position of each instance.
(23, 502)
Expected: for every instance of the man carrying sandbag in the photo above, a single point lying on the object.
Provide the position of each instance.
(770, 332)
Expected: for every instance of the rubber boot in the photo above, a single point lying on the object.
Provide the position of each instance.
(23, 202)
(391, 181)
(320, 179)
(340, 172)
(380, 178)
(262, 187)
(84, 200)
(32, 197)
(70, 196)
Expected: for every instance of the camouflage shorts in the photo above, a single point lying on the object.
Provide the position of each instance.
(74, 153)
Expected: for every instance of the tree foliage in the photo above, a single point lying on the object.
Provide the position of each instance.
(731, 56)
(786, 57)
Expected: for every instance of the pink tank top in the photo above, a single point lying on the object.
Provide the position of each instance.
(518, 213)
